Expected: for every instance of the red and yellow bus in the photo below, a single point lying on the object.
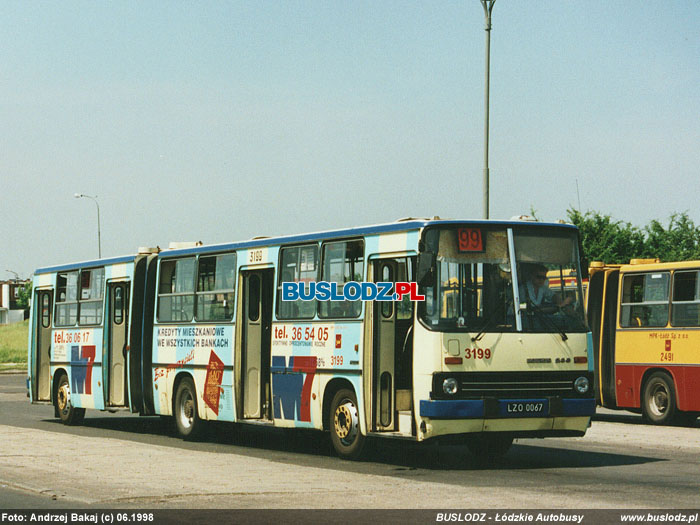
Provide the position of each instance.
(645, 320)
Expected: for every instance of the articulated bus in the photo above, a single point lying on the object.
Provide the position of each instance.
(204, 333)
(645, 318)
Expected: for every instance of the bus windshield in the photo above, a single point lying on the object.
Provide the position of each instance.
(475, 286)
(549, 281)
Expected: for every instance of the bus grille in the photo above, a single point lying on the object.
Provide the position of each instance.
(512, 385)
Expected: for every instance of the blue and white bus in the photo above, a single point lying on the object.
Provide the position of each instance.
(202, 333)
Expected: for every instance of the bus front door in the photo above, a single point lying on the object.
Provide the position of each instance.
(117, 324)
(392, 360)
(257, 321)
(41, 371)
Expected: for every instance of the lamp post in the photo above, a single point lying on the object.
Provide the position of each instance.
(99, 240)
(16, 274)
(488, 7)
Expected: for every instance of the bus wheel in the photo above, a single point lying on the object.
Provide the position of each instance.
(346, 437)
(489, 447)
(659, 399)
(68, 414)
(189, 426)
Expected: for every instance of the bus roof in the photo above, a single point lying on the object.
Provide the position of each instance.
(86, 264)
(398, 226)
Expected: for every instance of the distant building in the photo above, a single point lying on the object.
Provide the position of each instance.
(9, 293)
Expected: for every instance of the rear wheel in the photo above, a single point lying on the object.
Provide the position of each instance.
(68, 414)
(489, 447)
(189, 425)
(346, 437)
(659, 399)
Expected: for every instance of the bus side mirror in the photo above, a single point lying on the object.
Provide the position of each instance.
(425, 273)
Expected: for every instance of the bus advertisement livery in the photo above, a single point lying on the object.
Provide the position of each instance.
(645, 318)
(468, 348)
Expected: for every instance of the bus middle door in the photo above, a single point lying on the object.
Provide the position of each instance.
(256, 344)
(117, 330)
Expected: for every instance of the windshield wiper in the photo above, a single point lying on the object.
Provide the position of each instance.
(489, 318)
(547, 319)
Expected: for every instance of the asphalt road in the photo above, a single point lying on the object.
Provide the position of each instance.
(123, 461)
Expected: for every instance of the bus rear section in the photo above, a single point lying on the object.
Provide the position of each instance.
(84, 351)
(645, 318)
(498, 357)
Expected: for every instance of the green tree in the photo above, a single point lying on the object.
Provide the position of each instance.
(24, 296)
(679, 242)
(605, 239)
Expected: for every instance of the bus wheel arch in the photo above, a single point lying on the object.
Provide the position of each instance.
(659, 398)
(63, 408)
(185, 408)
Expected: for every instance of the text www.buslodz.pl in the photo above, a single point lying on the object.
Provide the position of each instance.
(351, 291)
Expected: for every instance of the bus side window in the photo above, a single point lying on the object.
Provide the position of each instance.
(685, 306)
(645, 300)
(343, 262)
(66, 299)
(215, 287)
(297, 264)
(176, 290)
(91, 293)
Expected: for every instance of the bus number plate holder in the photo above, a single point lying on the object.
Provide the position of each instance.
(525, 408)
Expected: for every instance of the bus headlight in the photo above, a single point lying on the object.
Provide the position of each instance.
(581, 385)
(450, 386)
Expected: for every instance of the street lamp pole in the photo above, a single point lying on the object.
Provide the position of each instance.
(488, 7)
(99, 240)
(16, 274)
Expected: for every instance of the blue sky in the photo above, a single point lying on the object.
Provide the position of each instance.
(219, 121)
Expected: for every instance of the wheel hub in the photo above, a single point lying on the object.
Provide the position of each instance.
(346, 421)
(63, 397)
(659, 401)
(187, 410)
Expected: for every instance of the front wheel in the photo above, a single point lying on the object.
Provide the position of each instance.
(68, 414)
(659, 399)
(346, 437)
(189, 425)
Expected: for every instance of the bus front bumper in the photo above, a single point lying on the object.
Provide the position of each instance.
(534, 418)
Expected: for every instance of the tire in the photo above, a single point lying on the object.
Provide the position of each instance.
(489, 447)
(67, 413)
(659, 399)
(346, 438)
(189, 426)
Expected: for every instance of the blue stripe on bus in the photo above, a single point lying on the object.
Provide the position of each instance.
(474, 408)
(86, 264)
(578, 407)
(458, 409)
